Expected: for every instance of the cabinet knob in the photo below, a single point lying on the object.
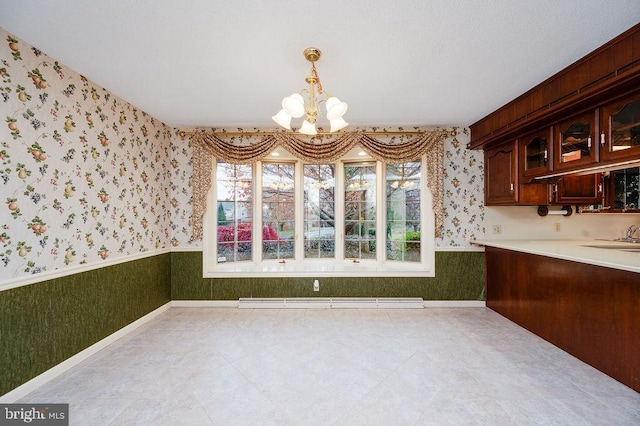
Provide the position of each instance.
(511, 186)
(602, 139)
(589, 142)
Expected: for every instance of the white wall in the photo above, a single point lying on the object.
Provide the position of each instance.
(523, 222)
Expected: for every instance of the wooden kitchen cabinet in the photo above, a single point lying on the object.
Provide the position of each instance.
(623, 191)
(578, 189)
(500, 175)
(536, 155)
(620, 129)
(584, 119)
(587, 310)
(574, 142)
(600, 77)
(502, 183)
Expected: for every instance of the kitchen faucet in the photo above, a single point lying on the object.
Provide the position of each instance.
(629, 238)
(632, 230)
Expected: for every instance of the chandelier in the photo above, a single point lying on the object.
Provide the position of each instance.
(294, 106)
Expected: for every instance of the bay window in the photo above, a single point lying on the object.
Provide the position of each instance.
(284, 217)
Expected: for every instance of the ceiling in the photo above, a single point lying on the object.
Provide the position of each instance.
(395, 62)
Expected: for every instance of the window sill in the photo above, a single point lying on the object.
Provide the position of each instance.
(319, 268)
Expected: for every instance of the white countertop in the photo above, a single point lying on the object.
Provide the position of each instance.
(577, 251)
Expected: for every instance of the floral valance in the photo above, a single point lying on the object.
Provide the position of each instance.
(327, 148)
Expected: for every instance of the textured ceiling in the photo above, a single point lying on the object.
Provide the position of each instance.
(226, 64)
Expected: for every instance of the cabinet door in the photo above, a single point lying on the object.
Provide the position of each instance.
(574, 142)
(502, 185)
(620, 135)
(624, 190)
(535, 153)
(584, 189)
(500, 175)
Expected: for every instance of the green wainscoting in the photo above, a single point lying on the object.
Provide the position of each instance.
(45, 323)
(459, 276)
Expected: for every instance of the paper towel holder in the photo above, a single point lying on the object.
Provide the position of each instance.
(564, 211)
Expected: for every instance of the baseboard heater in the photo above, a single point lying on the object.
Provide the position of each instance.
(332, 303)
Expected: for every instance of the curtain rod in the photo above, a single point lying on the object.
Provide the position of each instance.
(184, 133)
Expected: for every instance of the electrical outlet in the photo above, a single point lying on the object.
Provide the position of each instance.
(557, 227)
(496, 229)
(316, 285)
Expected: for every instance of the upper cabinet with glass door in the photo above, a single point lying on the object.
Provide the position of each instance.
(536, 152)
(620, 129)
(575, 144)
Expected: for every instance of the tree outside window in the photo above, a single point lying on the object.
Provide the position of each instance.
(403, 211)
(319, 210)
(278, 210)
(234, 192)
(360, 211)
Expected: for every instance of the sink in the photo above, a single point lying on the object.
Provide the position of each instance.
(627, 240)
(623, 247)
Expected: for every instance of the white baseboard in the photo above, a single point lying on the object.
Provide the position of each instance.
(332, 303)
(234, 304)
(28, 387)
(204, 303)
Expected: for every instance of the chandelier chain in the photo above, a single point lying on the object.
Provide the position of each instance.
(314, 73)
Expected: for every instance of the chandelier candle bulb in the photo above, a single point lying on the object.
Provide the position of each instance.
(308, 128)
(294, 105)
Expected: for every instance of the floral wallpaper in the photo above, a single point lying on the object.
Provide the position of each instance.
(180, 170)
(463, 191)
(84, 176)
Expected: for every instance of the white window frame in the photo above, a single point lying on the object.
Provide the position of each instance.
(327, 267)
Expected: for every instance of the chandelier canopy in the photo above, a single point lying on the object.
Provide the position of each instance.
(294, 106)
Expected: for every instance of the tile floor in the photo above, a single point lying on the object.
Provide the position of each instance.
(213, 366)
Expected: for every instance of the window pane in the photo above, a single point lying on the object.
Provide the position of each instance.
(319, 248)
(355, 249)
(278, 211)
(234, 212)
(319, 213)
(360, 211)
(403, 212)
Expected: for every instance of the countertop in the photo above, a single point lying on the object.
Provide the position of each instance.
(619, 257)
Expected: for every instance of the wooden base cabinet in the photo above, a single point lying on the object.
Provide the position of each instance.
(591, 312)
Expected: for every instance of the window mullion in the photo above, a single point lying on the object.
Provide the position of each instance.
(212, 243)
(257, 213)
(381, 213)
(427, 219)
(339, 212)
(298, 240)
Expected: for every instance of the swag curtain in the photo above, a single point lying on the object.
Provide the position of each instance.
(209, 145)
